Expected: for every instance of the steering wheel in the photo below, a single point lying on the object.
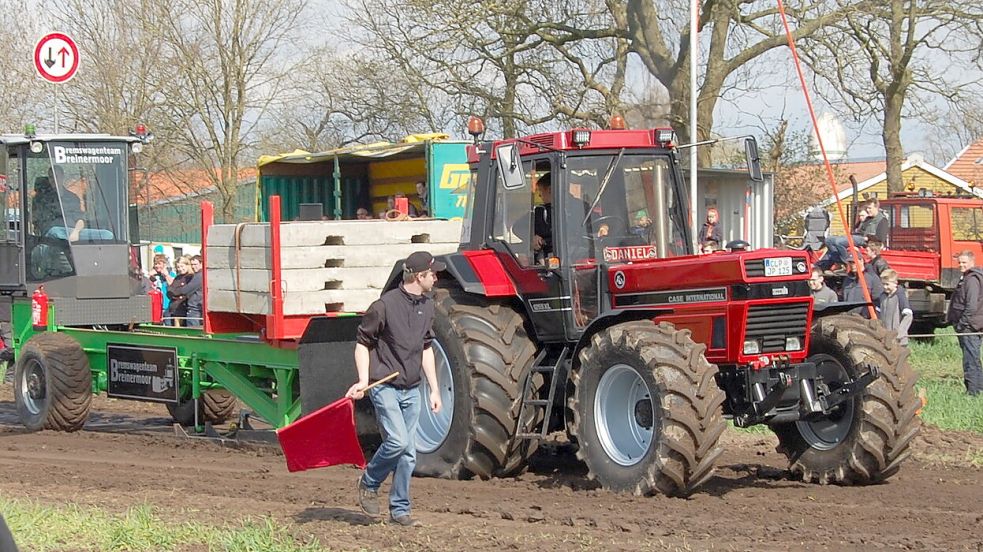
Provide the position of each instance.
(612, 222)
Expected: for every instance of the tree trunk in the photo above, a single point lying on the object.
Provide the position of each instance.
(892, 141)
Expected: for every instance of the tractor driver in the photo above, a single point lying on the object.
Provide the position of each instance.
(542, 241)
(51, 199)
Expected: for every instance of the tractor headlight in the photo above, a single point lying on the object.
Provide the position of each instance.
(793, 344)
(752, 347)
(137, 147)
(581, 137)
(37, 147)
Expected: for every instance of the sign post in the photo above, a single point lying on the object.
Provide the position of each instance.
(56, 59)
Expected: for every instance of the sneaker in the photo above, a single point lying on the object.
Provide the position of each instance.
(6, 355)
(405, 520)
(368, 499)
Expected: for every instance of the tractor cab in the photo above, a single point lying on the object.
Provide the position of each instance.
(66, 216)
(560, 209)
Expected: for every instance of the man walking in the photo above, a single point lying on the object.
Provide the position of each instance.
(966, 315)
(395, 336)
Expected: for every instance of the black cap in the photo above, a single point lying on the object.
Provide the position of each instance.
(420, 261)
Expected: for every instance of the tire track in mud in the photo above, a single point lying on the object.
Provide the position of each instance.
(131, 456)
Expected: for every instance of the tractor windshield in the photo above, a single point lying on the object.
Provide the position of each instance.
(78, 191)
(632, 206)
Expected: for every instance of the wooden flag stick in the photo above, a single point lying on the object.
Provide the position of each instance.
(380, 382)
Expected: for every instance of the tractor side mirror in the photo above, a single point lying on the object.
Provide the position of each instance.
(510, 166)
(753, 161)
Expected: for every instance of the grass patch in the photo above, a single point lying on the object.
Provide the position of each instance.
(949, 407)
(760, 429)
(72, 527)
(939, 366)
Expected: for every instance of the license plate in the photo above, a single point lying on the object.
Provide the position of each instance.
(782, 266)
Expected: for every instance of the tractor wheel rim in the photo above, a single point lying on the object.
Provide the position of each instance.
(33, 387)
(623, 415)
(829, 432)
(434, 427)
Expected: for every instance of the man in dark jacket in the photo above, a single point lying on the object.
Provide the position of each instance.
(542, 221)
(853, 292)
(874, 224)
(966, 315)
(875, 247)
(395, 336)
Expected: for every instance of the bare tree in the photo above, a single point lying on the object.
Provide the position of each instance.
(112, 92)
(224, 61)
(956, 128)
(508, 61)
(892, 58)
(343, 99)
(22, 92)
(733, 34)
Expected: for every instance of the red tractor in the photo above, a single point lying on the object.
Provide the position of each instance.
(593, 315)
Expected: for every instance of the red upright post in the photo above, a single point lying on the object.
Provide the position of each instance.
(275, 323)
(207, 219)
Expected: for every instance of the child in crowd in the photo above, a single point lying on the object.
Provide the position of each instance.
(893, 308)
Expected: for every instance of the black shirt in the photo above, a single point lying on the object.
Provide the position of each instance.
(397, 328)
(965, 312)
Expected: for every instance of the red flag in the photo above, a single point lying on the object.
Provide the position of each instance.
(323, 438)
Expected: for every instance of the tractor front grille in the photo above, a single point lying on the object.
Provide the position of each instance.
(771, 324)
(755, 268)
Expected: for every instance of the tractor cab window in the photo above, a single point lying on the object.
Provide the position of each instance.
(77, 192)
(10, 199)
(75, 195)
(622, 201)
(522, 215)
(469, 209)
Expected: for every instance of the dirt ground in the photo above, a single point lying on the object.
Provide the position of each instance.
(128, 454)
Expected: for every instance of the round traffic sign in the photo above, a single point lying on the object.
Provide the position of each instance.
(56, 57)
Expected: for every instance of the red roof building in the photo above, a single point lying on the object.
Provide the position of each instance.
(968, 164)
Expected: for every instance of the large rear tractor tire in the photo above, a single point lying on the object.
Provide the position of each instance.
(647, 410)
(53, 383)
(215, 406)
(482, 354)
(866, 439)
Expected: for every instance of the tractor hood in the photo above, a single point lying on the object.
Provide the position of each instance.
(720, 276)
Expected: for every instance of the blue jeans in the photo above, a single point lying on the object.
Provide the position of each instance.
(398, 414)
(838, 250)
(972, 372)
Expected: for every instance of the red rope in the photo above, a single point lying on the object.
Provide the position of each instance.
(829, 169)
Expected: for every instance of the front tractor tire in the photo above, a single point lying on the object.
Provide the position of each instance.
(214, 406)
(53, 383)
(866, 438)
(647, 410)
(482, 354)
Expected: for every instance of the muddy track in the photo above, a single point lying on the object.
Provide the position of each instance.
(127, 454)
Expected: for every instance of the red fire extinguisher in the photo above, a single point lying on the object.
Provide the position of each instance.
(156, 306)
(39, 309)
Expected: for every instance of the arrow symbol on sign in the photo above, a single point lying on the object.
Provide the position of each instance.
(63, 52)
(50, 61)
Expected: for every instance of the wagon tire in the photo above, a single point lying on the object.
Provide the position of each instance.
(216, 406)
(53, 383)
